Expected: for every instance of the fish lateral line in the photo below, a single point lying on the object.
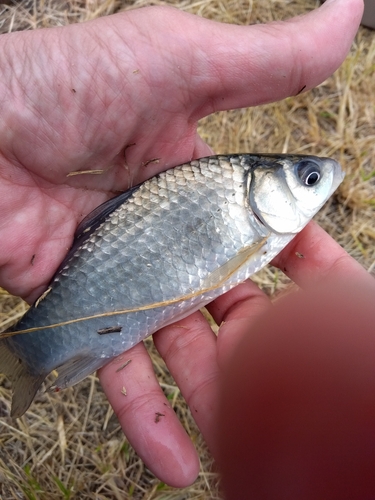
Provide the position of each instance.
(246, 254)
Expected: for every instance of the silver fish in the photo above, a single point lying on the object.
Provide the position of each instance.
(155, 254)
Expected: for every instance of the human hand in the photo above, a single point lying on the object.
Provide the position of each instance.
(115, 94)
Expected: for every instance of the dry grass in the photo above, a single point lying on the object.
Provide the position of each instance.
(71, 442)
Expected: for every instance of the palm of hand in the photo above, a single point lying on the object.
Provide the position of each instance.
(82, 114)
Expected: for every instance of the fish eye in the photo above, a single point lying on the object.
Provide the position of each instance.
(308, 172)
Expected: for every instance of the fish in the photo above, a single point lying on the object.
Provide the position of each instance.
(156, 253)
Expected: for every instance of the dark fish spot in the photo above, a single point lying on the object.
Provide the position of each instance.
(32, 260)
(74, 91)
(110, 329)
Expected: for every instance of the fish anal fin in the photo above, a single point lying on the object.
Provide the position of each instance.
(75, 370)
(25, 385)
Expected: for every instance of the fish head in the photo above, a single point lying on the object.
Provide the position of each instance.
(286, 191)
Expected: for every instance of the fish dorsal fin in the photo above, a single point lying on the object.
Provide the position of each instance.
(92, 221)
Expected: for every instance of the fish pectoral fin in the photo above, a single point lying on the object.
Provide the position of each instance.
(25, 385)
(75, 370)
(224, 272)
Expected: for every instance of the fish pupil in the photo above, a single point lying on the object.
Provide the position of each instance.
(312, 178)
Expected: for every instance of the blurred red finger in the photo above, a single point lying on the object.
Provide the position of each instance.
(297, 415)
(235, 312)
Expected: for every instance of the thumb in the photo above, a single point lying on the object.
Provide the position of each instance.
(264, 63)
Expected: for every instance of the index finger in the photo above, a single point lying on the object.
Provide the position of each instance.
(313, 256)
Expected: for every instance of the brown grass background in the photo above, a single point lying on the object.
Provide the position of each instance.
(69, 445)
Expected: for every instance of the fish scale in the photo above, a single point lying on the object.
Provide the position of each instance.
(170, 246)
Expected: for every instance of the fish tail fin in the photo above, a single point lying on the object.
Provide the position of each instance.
(24, 384)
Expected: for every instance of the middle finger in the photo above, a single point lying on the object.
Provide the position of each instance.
(189, 350)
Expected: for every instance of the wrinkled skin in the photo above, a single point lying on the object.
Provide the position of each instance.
(115, 93)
